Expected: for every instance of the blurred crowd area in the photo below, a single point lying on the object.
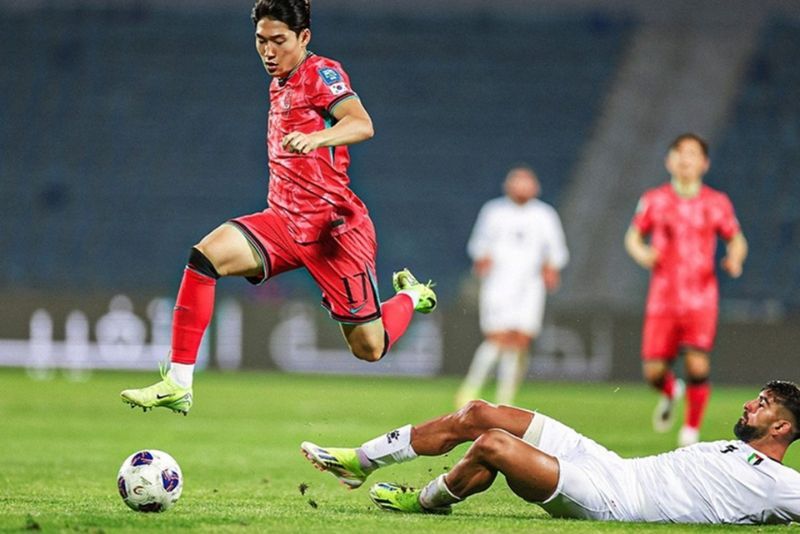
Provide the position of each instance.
(131, 129)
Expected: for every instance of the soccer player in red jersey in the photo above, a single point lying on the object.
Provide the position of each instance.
(313, 220)
(683, 219)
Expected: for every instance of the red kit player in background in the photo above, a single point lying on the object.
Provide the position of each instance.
(683, 219)
(313, 220)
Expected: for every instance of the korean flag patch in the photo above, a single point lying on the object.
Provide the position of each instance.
(333, 80)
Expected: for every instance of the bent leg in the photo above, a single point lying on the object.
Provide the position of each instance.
(230, 252)
(371, 341)
(353, 465)
(366, 341)
(223, 252)
(442, 434)
(530, 473)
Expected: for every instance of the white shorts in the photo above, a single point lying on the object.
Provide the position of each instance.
(593, 482)
(505, 306)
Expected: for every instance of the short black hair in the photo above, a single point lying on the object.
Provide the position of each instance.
(690, 136)
(787, 394)
(294, 13)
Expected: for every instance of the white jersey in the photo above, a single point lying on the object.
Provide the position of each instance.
(711, 482)
(718, 482)
(519, 240)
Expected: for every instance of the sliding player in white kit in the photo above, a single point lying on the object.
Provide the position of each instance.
(569, 475)
(518, 250)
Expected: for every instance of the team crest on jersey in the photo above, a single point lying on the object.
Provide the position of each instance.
(286, 101)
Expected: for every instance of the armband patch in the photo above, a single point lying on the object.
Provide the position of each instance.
(333, 80)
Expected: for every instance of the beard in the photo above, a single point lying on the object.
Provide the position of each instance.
(747, 433)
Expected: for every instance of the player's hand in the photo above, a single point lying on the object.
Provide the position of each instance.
(482, 266)
(648, 257)
(551, 278)
(299, 143)
(732, 267)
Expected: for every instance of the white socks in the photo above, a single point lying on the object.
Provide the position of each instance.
(394, 447)
(436, 494)
(510, 372)
(482, 364)
(181, 373)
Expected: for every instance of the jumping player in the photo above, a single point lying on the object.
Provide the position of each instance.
(313, 220)
(683, 219)
(569, 475)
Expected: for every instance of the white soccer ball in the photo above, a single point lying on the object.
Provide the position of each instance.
(150, 481)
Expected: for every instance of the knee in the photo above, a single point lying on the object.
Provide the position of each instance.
(654, 375)
(366, 351)
(200, 262)
(491, 444)
(698, 368)
(476, 417)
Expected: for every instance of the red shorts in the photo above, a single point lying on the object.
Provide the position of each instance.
(665, 335)
(343, 266)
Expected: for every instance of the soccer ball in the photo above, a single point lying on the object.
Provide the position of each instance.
(150, 481)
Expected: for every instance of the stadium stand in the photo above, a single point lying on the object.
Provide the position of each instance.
(129, 133)
(757, 163)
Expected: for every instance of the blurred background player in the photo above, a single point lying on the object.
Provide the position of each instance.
(518, 249)
(313, 221)
(544, 461)
(683, 219)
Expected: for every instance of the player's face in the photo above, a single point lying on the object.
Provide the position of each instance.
(521, 186)
(280, 49)
(687, 161)
(759, 414)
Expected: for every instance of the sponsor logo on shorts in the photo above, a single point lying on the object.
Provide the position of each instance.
(357, 308)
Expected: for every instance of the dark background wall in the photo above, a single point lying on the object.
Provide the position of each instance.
(128, 130)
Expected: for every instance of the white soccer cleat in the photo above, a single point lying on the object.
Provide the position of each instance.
(664, 414)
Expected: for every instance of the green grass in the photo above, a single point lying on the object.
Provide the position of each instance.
(62, 442)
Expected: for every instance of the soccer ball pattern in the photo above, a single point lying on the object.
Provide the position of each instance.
(150, 481)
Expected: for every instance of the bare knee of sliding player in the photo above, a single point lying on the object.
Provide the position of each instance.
(530, 473)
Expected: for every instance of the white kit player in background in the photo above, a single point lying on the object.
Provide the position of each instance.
(739, 481)
(518, 249)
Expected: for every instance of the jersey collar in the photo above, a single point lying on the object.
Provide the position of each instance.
(282, 81)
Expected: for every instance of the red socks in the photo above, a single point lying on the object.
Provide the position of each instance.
(696, 400)
(668, 386)
(193, 309)
(396, 314)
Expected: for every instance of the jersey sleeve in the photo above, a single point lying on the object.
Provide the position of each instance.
(556, 253)
(329, 86)
(643, 216)
(480, 239)
(786, 499)
(727, 225)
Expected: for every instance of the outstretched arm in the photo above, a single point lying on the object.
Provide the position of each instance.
(353, 125)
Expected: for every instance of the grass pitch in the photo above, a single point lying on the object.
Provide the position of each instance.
(62, 442)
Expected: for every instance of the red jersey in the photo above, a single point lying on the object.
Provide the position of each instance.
(684, 232)
(310, 191)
